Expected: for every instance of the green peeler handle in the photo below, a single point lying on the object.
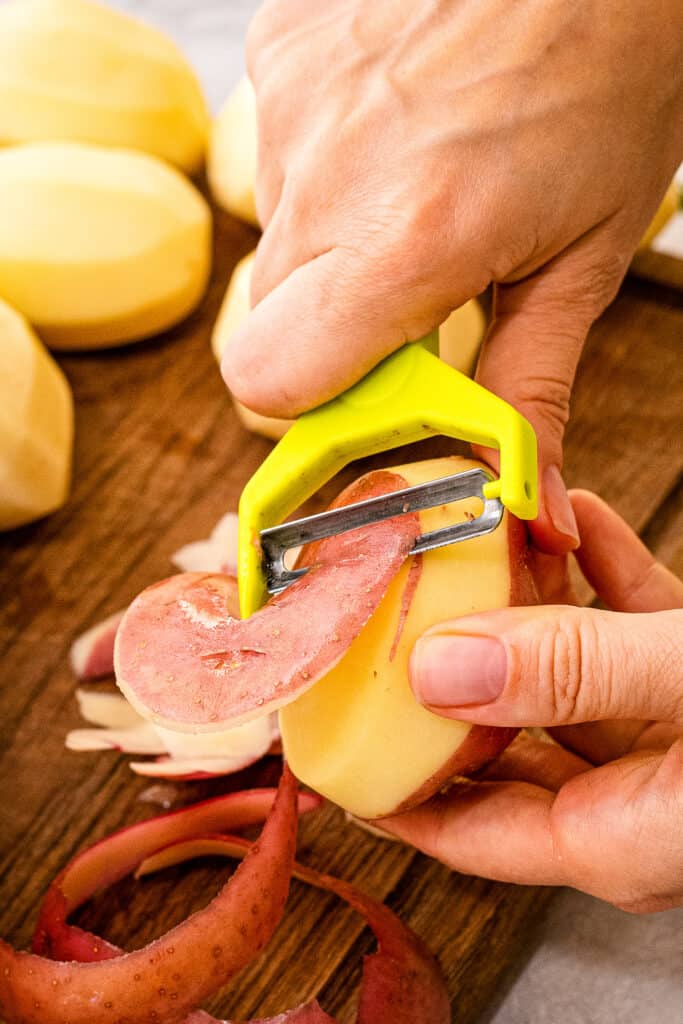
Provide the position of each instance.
(409, 396)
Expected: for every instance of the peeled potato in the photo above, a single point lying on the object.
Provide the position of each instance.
(233, 311)
(36, 425)
(99, 246)
(76, 70)
(668, 206)
(460, 337)
(232, 156)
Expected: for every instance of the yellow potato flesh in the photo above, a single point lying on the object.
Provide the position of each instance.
(76, 70)
(667, 208)
(36, 425)
(234, 310)
(461, 335)
(233, 146)
(99, 246)
(358, 736)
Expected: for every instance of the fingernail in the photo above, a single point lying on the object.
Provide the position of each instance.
(453, 671)
(558, 505)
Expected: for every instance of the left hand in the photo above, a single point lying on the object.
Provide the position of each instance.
(601, 810)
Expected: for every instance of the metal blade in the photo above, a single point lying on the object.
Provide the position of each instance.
(277, 540)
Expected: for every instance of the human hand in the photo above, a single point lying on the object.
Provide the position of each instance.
(409, 156)
(603, 810)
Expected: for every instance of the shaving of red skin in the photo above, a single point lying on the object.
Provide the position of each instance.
(414, 574)
(402, 983)
(92, 653)
(184, 659)
(172, 975)
(116, 856)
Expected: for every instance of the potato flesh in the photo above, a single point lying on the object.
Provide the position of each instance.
(99, 246)
(358, 736)
(36, 425)
(233, 146)
(76, 70)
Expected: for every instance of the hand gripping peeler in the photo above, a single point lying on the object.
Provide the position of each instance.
(409, 396)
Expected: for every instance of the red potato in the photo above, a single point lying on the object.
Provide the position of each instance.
(359, 736)
(332, 651)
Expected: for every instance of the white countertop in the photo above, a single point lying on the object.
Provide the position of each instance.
(593, 964)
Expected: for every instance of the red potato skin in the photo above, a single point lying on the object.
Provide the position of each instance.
(166, 980)
(114, 857)
(92, 653)
(484, 743)
(184, 658)
(402, 982)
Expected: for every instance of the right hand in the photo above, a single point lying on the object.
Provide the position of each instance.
(412, 154)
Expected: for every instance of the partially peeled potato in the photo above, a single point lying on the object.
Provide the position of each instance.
(331, 652)
(358, 736)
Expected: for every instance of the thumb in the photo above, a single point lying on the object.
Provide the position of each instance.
(530, 356)
(323, 327)
(553, 666)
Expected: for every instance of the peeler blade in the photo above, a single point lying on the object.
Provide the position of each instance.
(278, 540)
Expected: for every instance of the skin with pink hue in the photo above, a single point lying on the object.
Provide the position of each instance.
(92, 654)
(184, 658)
(401, 983)
(176, 972)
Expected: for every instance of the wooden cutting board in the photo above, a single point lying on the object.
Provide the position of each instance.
(160, 455)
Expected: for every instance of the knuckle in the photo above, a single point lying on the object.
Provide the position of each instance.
(566, 664)
(548, 395)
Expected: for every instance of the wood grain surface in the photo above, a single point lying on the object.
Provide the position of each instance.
(160, 455)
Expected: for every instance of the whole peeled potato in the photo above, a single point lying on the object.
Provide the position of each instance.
(99, 246)
(36, 425)
(76, 70)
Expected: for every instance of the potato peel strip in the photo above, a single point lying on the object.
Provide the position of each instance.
(402, 982)
(185, 659)
(173, 974)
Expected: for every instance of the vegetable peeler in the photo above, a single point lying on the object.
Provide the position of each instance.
(410, 395)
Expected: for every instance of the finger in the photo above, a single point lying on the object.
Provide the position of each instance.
(538, 762)
(611, 831)
(494, 829)
(530, 356)
(616, 563)
(554, 665)
(323, 328)
(599, 742)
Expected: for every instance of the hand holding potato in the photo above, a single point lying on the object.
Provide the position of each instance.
(602, 811)
(411, 156)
